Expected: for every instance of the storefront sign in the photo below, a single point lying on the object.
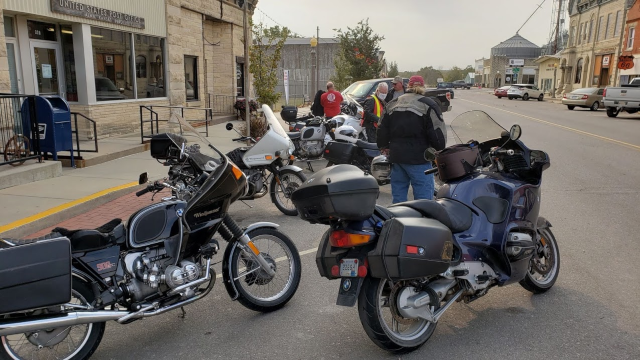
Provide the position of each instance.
(108, 59)
(74, 8)
(605, 60)
(516, 62)
(625, 62)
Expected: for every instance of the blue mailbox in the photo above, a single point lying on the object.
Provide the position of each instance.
(54, 124)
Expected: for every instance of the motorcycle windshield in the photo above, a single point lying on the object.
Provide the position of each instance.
(274, 124)
(475, 125)
(192, 139)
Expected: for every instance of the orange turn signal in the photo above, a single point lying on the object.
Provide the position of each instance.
(342, 238)
(253, 248)
(268, 157)
(236, 172)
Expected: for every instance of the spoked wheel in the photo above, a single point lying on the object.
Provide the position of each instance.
(16, 148)
(257, 290)
(289, 181)
(545, 264)
(385, 326)
(68, 343)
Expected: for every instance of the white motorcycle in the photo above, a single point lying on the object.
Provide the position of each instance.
(264, 165)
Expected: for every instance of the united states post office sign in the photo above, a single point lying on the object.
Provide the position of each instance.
(75, 8)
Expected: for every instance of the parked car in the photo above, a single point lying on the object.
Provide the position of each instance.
(360, 90)
(448, 86)
(106, 90)
(524, 92)
(461, 84)
(155, 89)
(501, 92)
(625, 98)
(585, 98)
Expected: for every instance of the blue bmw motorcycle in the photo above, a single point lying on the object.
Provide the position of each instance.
(406, 264)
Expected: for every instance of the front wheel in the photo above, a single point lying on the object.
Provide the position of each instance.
(68, 342)
(541, 97)
(382, 322)
(256, 289)
(525, 97)
(283, 185)
(544, 266)
(612, 112)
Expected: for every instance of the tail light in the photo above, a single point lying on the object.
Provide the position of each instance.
(585, 97)
(564, 96)
(449, 95)
(604, 93)
(343, 239)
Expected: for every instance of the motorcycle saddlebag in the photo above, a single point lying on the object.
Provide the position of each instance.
(339, 152)
(337, 192)
(411, 248)
(289, 113)
(456, 161)
(35, 275)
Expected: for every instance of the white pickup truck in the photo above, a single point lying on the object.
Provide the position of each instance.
(625, 98)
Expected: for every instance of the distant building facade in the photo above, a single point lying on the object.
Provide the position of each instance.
(502, 55)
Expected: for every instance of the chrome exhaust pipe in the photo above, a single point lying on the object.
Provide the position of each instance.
(15, 326)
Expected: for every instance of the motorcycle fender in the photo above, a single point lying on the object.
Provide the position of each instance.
(227, 278)
(292, 168)
(543, 223)
(349, 291)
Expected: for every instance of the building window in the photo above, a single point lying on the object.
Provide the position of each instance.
(41, 31)
(580, 35)
(606, 29)
(618, 28)
(112, 64)
(191, 77)
(632, 35)
(600, 28)
(141, 66)
(578, 79)
(590, 29)
(8, 27)
(572, 36)
(150, 76)
(69, 63)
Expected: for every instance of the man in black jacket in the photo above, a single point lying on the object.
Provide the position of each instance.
(373, 108)
(411, 124)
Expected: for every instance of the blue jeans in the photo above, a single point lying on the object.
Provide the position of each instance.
(404, 174)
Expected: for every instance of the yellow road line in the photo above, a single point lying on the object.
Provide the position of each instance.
(618, 142)
(64, 206)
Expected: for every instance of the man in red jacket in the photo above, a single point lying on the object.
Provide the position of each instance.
(331, 101)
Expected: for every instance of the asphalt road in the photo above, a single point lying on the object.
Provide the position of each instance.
(590, 195)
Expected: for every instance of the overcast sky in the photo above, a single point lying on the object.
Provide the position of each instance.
(419, 33)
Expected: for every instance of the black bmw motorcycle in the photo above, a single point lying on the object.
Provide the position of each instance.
(57, 291)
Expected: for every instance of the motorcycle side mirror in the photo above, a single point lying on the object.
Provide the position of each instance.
(143, 179)
(229, 126)
(430, 154)
(515, 132)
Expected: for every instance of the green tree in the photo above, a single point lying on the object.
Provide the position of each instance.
(359, 49)
(265, 54)
(343, 77)
(278, 31)
(393, 69)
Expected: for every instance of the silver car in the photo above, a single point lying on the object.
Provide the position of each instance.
(585, 98)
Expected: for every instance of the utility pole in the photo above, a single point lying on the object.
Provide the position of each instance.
(317, 63)
(555, 42)
(246, 68)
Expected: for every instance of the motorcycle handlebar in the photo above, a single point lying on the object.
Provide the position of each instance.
(142, 192)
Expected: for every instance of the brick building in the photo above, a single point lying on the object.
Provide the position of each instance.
(108, 57)
(595, 36)
(631, 43)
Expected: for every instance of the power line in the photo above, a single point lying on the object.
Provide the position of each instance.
(277, 23)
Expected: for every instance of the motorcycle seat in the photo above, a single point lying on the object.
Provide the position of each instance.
(367, 145)
(8, 242)
(294, 135)
(83, 240)
(453, 214)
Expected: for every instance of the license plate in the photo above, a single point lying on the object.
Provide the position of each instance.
(575, 97)
(622, 103)
(349, 268)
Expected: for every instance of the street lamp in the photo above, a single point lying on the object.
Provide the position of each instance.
(553, 87)
(314, 43)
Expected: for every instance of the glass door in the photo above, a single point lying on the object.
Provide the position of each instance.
(47, 71)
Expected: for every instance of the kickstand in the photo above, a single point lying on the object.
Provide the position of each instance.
(250, 207)
(309, 166)
(184, 313)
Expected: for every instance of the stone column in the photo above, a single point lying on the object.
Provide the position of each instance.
(5, 79)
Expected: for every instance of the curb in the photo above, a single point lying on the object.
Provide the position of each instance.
(24, 227)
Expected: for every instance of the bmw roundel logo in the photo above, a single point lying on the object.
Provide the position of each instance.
(346, 284)
(420, 251)
(179, 212)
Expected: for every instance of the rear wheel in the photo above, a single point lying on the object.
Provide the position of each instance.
(282, 186)
(69, 343)
(499, 97)
(544, 266)
(595, 106)
(510, 98)
(382, 322)
(256, 289)
(570, 107)
(541, 97)
(612, 112)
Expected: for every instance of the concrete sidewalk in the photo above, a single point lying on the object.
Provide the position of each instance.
(90, 196)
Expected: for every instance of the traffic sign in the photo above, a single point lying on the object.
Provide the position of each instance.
(516, 70)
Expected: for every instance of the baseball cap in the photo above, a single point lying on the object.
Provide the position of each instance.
(397, 79)
(416, 80)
